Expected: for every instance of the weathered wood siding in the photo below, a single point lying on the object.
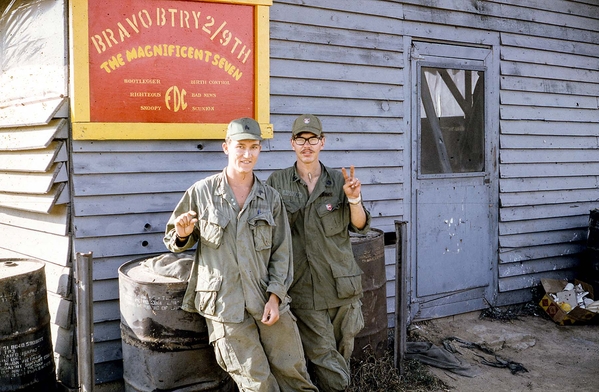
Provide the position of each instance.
(344, 62)
(549, 83)
(34, 144)
(123, 195)
(341, 64)
(347, 63)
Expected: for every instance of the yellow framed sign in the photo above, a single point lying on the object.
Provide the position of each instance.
(168, 69)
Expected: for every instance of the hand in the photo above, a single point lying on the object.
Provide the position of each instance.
(185, 223)
(352, 186)
(271, 310)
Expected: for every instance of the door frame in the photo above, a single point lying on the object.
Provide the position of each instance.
(491, 148)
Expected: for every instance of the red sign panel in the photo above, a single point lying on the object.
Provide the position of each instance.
(170, 61)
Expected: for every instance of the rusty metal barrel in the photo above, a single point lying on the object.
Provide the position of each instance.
(26, 355)
(589, 267)
(164, 347)
(593, 230)
(369, 252)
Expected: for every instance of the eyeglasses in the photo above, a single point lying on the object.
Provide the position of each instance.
(300, 141)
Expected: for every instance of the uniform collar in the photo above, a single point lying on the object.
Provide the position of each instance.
(257, 188)
(323, 170)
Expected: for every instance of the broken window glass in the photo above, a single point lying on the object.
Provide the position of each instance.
(451, 121)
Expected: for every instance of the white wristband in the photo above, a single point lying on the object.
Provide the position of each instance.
(355, 201)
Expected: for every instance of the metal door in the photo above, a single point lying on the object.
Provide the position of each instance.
(454, 179)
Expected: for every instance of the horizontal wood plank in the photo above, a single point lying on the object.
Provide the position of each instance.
(107, 351)
(107, 267)
(543, 225)
(360, 91)
(315, 52)
(38, 160)
(543, 61)
(330, 71)
(549, 72)
(32, 183)
(62, 341)
(548, 197)
(522, 98)
(547, 184)
(61, 310)
(55, 222)
(106, 311)
(300, 14)
(330, 36)
(522, 83)
(523, 254)
(142, 163)
(36, 244)
(31, 138)
(502, 18)
(339, 107)
(36, 113)
(549, 156)
(544, 238)
(537, 266)
(58, 279)
(545, 211)
(561, 128)
(549, 44)
(109, 330)
(34, 203)
(549, 114)
(529, 281)
(549, 170)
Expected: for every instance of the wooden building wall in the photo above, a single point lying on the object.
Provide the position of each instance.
(549, 87)
(345, 63)
(348, 63)
(34, 155)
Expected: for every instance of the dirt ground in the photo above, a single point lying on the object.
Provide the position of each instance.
(557, 358)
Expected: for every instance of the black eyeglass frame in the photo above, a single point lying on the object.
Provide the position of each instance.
(309, 140)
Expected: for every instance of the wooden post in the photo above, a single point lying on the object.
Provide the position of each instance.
(401, 297)
(85, 322)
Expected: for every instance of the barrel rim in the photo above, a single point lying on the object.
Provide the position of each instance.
(357, 237)
(42, 265)
(125, 265)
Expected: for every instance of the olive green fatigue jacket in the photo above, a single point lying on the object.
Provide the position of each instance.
(243, 253)
(326, 274)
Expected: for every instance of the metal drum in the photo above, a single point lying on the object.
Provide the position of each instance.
(164, 347)
(589, 267)
(26, 356)
(369, 252)
(593, 231)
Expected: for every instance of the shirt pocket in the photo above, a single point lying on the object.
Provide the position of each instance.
(207, 288)
(212, 226)
(348, 280)
(261, 226)
(331, 216)
(291, 207)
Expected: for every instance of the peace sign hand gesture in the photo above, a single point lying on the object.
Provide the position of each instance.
(352, 186)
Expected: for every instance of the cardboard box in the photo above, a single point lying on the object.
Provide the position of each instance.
(577, 315)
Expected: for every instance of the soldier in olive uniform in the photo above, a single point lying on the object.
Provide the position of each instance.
(323, 205)
(242, 269)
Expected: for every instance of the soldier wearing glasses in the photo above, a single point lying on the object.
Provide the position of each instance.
(323, 205)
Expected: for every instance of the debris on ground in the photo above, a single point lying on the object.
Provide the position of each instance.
(498, 362)
(511, 313)
(378, 374)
